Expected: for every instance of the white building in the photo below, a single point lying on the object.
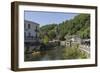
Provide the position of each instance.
(71, 39)
(31, 30)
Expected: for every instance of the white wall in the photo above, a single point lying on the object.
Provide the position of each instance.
(5, 40)
(32, 28)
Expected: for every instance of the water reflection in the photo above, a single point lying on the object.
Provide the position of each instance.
(51, 54)
(57, 53)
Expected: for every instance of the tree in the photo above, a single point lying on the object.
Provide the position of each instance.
(45, 40)
(51, 34)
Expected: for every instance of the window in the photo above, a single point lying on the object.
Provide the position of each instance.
(36, 30)
(25, 35)
(29, 34)
(24, 26)
(29, 26)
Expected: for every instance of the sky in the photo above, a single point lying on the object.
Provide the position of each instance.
(44, 18)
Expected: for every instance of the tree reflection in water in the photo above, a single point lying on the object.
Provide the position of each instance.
(57, 53)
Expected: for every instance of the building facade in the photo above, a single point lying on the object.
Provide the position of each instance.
(31, 31)
(71, 39)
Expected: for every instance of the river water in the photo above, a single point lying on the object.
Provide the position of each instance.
(56, 53)
(52, 54)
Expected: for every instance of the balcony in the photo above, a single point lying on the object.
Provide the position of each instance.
(31, 39)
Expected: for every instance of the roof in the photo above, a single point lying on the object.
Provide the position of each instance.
(71, 36)
(31, 22)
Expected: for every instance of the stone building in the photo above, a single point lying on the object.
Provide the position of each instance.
(31, 34)
(71, 39)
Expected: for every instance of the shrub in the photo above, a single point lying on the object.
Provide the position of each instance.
(73, 53)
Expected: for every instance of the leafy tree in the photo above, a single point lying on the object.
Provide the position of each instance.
(51, 34)
(45, 40)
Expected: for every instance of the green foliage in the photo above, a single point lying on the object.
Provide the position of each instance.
(73, 53)
(79, 25)
(51, 34)
(48, 27)
(45, 39)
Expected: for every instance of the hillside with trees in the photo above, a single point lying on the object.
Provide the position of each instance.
(79, 25)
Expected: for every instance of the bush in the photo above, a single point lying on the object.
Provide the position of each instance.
(45, 40)
(73, 53)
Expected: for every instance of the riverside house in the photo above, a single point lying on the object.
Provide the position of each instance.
(31, 33)
(71, 39)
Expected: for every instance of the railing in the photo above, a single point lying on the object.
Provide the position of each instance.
(30, 39)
